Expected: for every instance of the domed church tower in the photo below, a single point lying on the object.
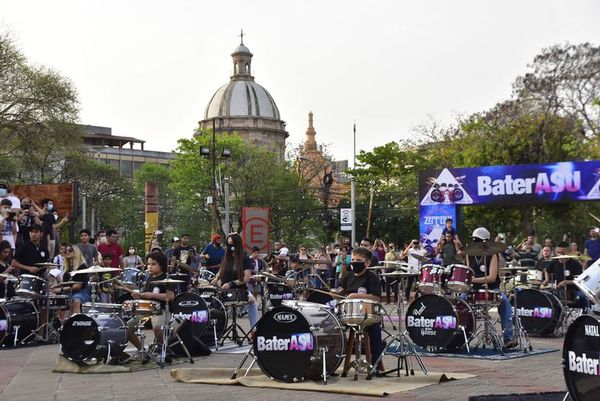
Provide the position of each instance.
(244, 106)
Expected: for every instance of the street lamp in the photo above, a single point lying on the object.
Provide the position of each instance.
(206, 151)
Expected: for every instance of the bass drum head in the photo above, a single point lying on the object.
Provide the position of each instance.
(581, 352)
(431, 321)
(284, 344)
(278, 293)
(79, 337)
(218, 313)
(539, 311)
(22, 314)
(191, 311)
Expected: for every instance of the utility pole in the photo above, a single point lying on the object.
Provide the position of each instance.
(227, 227)
(353, 206)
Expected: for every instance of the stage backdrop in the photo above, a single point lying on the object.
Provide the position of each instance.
(442, 190)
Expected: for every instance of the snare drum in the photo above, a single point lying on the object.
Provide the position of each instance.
(205, 277)
(535, 277)
(291, 278)
(359, 312)
(104, 308)
(481, 297)
(56, 302)
(460, 278)
(31, 286)
(234, 296)
(142, 307)
(589, 282)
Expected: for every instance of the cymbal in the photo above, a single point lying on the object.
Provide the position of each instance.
(484, 248)
(96, 269)
(9, 277)
(394, 263)
(256, 276)
(564, 257)
(313, 262)
(47, 264)
(420, 258)
(400, 274)
(272, 276)
(168, 281)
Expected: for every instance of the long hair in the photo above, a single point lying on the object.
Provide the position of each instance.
(237, 255)
(74, 263)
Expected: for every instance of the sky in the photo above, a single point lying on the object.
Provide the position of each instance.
(148, 68)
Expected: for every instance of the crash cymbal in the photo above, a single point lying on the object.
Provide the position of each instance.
(377, 268)
(97, 269)
(564, 257)
(168, 281)
(484, 248)
(9, 277)
(420, 258)
(47, 264)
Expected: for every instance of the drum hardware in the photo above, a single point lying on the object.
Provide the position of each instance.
(358, 364)
(20, 318)
(231, 332)
(402, 347)
(333, 294)
(518, 329)
(318, 276)
(565, 257)
(167, 330)
(419, 257)
(9, 277)
(31, 286)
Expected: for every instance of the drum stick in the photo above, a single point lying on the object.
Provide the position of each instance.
(597, 219)
(333, 294)
(122, 287)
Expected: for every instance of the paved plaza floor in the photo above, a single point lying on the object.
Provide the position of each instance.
(26, 374)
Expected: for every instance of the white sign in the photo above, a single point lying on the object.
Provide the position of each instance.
(346, 219)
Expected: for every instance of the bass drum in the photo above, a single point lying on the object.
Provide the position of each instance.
(191, 312)
(18, 319)
(83, 336)
(433, 321)
(279, 292)
(540, 311)
(289, 342)
(218, 314)
(580, 359)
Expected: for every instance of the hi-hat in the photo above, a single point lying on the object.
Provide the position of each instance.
(257, 276)
(484, 248)
(96, 269)
(168, 281)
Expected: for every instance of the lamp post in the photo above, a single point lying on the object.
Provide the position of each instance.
(211, 152)
(325, 183)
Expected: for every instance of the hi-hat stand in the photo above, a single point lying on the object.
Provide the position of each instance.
(401, 346)
(231, 332)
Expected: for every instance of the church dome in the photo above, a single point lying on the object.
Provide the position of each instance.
(241, 98)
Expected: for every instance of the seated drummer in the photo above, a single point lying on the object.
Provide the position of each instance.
(79, 293)
(543, 264)
(482, 264)
(563, 272)
(157, 264)
(360, 283)
(31, 252)
(6, 288)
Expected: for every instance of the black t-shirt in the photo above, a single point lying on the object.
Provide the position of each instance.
(368, 281)
(177, 254)
(48, 221)
(543, 265)
(230, 273)
(29, 254)
(481, 265)
(570, 268)
(157, 288)
(3, 267)
(80, 278)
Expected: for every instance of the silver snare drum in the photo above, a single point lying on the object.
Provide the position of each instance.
(589, 282)
(359, 312)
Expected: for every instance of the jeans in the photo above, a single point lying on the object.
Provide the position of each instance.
(505, 312)
(252, 310)
(374, 331)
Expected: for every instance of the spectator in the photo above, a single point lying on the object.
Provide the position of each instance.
(592, 245)
(213, 254)
(342, 261)
(8, 223)
(112, 248)
(6, 193)
(132, 259)
(28, 217)
(88, 250)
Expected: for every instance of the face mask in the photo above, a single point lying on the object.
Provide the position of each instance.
(3, 192)
(50, 206)
(231, 248)
(357, 267)
(103, 240)
(131, 251)
(218, 244)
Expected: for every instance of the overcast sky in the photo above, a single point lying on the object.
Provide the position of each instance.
(148, 68)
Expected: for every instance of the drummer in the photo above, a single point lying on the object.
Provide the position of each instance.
(157, 264)
(481, 264)
(360, 283)
(31, 252)
(563, 272)
(78, 293)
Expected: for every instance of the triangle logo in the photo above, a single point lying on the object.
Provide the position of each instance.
(446, 190)
(595, 191)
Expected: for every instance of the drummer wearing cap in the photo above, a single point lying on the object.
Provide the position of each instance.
(360, 283)
(490, 264)
(213, 254)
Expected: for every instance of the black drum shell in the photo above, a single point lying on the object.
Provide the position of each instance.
(22, 313)
(582, 337)
(82, 335)
(531, 299)
(284, 322)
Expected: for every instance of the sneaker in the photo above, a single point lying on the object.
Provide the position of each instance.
(508, 344)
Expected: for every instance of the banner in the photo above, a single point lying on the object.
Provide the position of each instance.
(432, 221)
(511, 185)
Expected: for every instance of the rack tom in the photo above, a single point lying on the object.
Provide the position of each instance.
(31, 286)
(460, 278)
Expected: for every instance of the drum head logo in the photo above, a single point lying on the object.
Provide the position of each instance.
(284, 317)
(188, 304)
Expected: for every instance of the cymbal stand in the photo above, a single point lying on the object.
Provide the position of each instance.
(401, 346)
(524, 343)
(232, 331)
(568, 311)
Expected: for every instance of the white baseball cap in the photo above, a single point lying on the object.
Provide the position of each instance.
(481, 233)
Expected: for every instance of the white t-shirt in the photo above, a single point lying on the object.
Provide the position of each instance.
(413, 262)
(16, 203)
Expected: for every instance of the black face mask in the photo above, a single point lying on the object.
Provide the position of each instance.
(358, 267)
